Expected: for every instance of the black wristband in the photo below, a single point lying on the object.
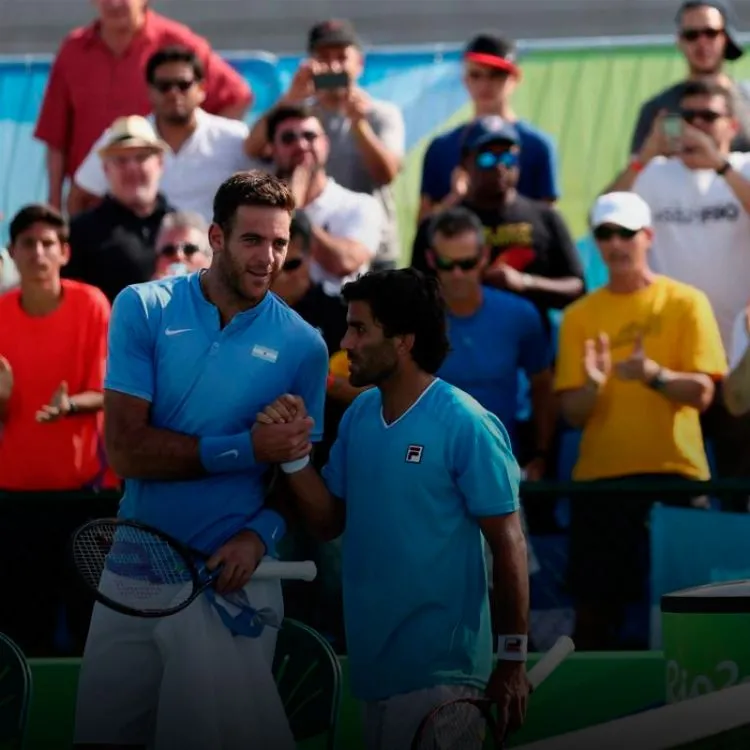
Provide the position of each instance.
(724, 168)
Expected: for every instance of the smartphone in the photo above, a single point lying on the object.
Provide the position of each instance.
(672, 128)
(330, 81)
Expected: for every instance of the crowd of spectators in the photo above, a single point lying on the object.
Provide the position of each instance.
(142, 121)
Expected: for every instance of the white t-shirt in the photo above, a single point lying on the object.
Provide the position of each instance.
(740, 340)
(701, 232)
(191, 177)
(344, 213)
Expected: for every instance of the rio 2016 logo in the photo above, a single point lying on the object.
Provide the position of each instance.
(683, 686)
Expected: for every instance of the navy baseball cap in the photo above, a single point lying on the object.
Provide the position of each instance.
(332, 33)
(490, 129)
(732, 51)
(493, 51)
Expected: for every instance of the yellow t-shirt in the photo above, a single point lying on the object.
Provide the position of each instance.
(634, 429)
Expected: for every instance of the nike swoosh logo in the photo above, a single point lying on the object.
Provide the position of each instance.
(175, 331)
(234, 453)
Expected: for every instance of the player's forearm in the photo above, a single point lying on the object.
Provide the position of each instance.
(687, 388)
(382, 164)
(338, 255)
(323, 513)
(87, 402)
(736, 390)
(578, 405)
(55, 176)
(510, 592)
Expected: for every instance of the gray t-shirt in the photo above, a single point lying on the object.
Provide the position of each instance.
(8, 274)
(346, 166)
(669, 99)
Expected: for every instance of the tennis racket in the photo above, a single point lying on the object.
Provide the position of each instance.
(469, 723)
(138, 570)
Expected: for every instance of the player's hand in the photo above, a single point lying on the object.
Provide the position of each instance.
(302, 86)
(699, 150)
(58, 407)
(278, 443)
(637, 366)
(284, 409)
(597, 359)
(358, 104)
(656, 143)
(508, 688)
(507, 277)
(240, 557)
(6, 379)
(534, 470)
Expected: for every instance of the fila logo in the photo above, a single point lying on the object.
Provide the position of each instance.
(414, 454)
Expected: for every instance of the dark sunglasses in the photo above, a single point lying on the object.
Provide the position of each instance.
(187, 248)
(164, 86)
(692, 35)
(707, 115)
(288, 137)
(490, 160)
(607, 233)
(465, 264)
(292, 265)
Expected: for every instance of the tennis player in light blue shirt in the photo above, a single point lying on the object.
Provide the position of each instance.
(191, 362)
(419, 476)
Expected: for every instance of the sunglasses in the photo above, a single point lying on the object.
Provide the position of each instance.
(607, 233)
(692, 35)
(164, 86)
(465, 264)
(707, 115)
(490, 160)
(292, 265)
(187, 248)
(288, 137)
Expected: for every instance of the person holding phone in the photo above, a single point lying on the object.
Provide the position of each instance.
(366, 135)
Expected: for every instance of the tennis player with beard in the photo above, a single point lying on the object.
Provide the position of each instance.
(347, 227)
(419, 475)
(191, 361)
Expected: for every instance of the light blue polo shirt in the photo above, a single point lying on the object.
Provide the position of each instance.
(166, 346)
(415, 582)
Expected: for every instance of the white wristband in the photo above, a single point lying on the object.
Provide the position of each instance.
(292, 467)
(512, 647)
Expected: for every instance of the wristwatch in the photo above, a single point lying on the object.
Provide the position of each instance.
(74, 409)
(658, 382)
(724, 168)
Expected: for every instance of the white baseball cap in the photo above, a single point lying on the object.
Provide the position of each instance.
(626, 210)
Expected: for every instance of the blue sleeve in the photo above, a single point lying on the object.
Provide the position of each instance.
(334, 472)
(535, 349)
(130, 348)
(310, 383)
(433, 179)
(486, 471)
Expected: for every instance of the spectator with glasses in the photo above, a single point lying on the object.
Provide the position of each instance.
(707, 42)
(491, 74)
(531, 252)
(204, 149)
(346, 226)
(182, 245)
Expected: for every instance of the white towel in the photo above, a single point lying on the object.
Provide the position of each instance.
(218, 689)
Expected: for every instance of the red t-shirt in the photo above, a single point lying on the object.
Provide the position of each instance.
(69, 344)
(89, 86)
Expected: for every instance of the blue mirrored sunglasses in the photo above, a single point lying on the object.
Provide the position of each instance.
(490, 159)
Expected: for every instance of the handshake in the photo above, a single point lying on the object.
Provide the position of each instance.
(281, 433)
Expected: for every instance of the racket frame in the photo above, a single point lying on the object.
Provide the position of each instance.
(191, 556)
(485, 706)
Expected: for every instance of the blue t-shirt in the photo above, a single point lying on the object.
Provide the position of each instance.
(489, 348)
(537, 179)
(166, 347)
(415, 582)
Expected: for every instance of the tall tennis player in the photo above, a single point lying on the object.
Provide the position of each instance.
(419, 475)
(191, 361)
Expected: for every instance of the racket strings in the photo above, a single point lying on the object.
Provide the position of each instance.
(454, 726)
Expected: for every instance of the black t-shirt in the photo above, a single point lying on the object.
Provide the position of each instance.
(529, 236)
(111, 247)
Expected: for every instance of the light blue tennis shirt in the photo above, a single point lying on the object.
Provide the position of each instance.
(166, 346)
(415, 582)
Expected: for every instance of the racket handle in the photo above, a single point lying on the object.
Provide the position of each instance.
(290, 571)
(563, 647)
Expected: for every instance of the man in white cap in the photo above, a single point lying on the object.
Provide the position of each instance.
(113, 245)
(637, 363)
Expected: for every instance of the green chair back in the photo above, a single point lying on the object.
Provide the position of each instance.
(15, 694)
(308, 677)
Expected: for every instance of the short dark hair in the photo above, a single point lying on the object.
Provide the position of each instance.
(708, 88)
(174, 54)
(254, 188)
(284, 112)
(406, 301)
(301, 228)
(455, 221)
(38, 213)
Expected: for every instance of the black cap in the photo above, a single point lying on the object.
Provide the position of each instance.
(732, 51)
(494, 51)
(336, 32)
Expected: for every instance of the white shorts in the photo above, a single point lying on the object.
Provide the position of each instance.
(392, 723)
(123, 666)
